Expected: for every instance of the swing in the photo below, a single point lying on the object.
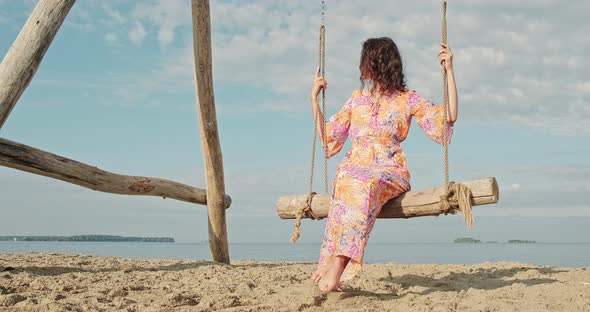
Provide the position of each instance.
(447, 199)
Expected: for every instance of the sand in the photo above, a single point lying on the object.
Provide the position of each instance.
(69, 282)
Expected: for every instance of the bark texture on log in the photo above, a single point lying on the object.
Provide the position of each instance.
(26, 158)
(24, 56)
(208, 130)
(408, 205)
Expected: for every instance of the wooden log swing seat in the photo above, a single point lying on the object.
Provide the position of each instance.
(447, 199)
(408, 205)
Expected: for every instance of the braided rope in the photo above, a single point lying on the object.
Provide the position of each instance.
(307, 209)
(323, 72)
(456, 196)
(300, 214)
(446, 97)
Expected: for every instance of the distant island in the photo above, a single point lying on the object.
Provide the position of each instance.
(467, 240)
(518, 241)
(88, 238)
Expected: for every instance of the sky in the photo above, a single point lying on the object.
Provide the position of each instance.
(116, 90)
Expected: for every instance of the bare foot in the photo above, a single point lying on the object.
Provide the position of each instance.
(330, 278)
(317, 275)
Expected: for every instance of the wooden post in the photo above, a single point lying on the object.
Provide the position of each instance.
(22, 60)
(29, 159)
(208, 130)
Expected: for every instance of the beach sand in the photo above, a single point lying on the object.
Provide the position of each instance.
(68, 282)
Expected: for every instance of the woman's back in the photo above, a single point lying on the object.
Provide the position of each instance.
(377, 126)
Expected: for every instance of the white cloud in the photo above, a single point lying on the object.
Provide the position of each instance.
(477, 55)
(111, 39)
(137, 33)
(552, 212)
(562, 60)
(500, 71)
(80, 19)
(114, 18)
(582, 87)
(166, 15)
(85, 27)
(523, 71)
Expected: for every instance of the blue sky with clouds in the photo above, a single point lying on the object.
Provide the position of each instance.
(116, 90)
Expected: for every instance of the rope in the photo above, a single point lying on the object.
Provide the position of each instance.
(307, 209)
(446, 97)
(457, 196)
(300, 214)
(323, 73)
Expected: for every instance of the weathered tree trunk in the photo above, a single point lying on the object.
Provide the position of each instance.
(26, 158)
(24, 56)
(208, 130)
(408, 205)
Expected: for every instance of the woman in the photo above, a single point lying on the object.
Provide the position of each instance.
(377, 119)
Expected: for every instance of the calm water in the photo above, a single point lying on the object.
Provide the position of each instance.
(559, 254)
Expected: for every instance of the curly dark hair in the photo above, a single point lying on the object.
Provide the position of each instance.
(381, 62)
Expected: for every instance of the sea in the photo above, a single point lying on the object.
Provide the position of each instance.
(547, 254)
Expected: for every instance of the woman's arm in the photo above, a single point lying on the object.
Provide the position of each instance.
(445, 56)
(333, 132)
(319, 83)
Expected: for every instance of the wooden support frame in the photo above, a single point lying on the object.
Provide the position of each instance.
(29, 159)
(24, 56)
(16, 72)
(208, 130)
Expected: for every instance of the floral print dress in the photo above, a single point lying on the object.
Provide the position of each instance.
(374, 170)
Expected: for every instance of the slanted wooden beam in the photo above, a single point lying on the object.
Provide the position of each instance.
(29, 159)
(408, 205)
(24, 56)
(208, 130)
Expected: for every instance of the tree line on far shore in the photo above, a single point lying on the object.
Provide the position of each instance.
(88, 238)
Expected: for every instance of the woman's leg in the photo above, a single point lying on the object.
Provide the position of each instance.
(336, 250)
(350, 217)
(330, 267)
(359, 195)
(326, 260)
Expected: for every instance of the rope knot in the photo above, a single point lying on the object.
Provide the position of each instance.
(457, 197)
(306, 211)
